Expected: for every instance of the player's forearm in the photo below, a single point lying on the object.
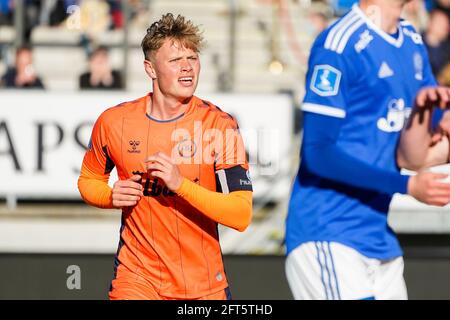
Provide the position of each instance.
(438, 153)
(330, 162)
(322, 156)
(233, 210)
(415, 141)
(95, 192)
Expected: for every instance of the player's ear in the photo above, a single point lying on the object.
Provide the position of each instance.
(149, 69)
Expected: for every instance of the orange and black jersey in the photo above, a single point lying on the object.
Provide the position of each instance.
(165, 242)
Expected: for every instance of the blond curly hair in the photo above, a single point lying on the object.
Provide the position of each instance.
(168, 27)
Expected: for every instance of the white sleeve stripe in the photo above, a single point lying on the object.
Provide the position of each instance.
(342, 32)
(337, 28)
(347, 36)
(324, 110)
(223, 181)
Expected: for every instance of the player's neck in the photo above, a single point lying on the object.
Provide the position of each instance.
(383, 20)
(166, 108)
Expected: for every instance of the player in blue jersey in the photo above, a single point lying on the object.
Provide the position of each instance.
(367, 74)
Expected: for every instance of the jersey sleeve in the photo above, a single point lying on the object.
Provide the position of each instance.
(232, 210)
(327, 80)
(97, 159)
(231, 166)
(96, 168)
(319, 147)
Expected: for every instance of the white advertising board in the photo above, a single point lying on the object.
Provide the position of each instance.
(43, 136)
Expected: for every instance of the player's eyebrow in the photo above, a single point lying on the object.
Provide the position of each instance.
(176, 58)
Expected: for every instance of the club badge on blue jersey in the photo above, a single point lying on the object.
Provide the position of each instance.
(325, 80)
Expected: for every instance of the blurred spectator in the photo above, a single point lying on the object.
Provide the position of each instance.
(54, 12)
(100, 75)
(444, 76)
(31, 19)
(318, 22)
(140, 13)
(95, 17)
(95, 21)
(429, 5)
(436, 40)
(5, 12)
(115, 10)
(23, 75)
(443, 5)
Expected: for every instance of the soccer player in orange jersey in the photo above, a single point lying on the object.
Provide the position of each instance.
(182, 170)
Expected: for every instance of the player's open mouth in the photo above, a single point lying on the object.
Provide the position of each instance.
(186, 80)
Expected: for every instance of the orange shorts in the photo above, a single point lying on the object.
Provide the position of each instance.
(126, 290)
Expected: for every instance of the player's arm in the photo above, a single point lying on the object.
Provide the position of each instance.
(233, 210)
(421, 144)
(324, 114)
(421, 147)
(323, 156)
(95, 171)
(94, 188)
(231, 207)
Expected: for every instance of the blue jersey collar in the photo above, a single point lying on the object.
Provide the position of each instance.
(397, 42)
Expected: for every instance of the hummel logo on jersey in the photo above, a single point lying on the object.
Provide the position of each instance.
(134, 146)
(385, 71)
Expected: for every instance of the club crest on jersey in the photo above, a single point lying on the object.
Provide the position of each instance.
(134, 144)
(187, 148)
(325, 80)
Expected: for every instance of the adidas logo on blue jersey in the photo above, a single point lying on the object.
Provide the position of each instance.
(385, 71)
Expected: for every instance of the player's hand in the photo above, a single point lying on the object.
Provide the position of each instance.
(429, 97)
(127, 193)
(443, 129)
(427, 188)
(161, 166)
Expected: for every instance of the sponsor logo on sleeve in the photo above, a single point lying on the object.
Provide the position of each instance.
(325, 80)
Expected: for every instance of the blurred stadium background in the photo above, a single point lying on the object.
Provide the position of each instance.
(253, 66)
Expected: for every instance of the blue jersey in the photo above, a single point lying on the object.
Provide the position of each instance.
(366, 80)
